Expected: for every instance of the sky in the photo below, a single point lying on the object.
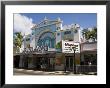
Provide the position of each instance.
(24, 21)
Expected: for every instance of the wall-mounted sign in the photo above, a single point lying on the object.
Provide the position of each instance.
(68, 47)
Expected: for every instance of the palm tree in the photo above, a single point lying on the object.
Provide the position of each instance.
(87, 34)
(95, 33)
(18, 39)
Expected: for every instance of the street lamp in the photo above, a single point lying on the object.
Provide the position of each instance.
(74, 61)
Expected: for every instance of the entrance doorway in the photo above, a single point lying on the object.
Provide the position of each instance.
(16, 61)
(26, 62)
(69, 63)
(42, 63)
(38, 64)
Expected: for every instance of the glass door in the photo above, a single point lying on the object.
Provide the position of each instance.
(69, 63)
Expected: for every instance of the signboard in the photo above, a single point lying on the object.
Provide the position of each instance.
(68, 47)
(89, 46)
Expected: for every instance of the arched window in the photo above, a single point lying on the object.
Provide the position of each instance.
(47, 39)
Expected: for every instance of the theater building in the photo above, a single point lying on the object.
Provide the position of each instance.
(50, 47)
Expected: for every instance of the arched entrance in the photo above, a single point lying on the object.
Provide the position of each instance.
(47, 39)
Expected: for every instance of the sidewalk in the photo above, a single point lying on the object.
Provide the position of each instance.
(32, 72)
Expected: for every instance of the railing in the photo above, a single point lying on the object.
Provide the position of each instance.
(86, 68)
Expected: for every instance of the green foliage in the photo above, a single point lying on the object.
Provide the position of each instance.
(90, 34)
(58, 45)
(18, 38)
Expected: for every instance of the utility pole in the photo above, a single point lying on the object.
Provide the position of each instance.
(74, 61)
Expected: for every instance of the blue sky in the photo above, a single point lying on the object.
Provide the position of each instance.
(85, 20)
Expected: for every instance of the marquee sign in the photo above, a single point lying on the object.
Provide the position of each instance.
(38, 49)
(68, 47)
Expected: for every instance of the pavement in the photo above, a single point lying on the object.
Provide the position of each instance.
(33, 72)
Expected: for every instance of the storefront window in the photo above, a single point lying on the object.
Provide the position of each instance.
(67, 32)
(90, 59)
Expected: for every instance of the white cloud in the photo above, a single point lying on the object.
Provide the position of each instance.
(22, 24)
